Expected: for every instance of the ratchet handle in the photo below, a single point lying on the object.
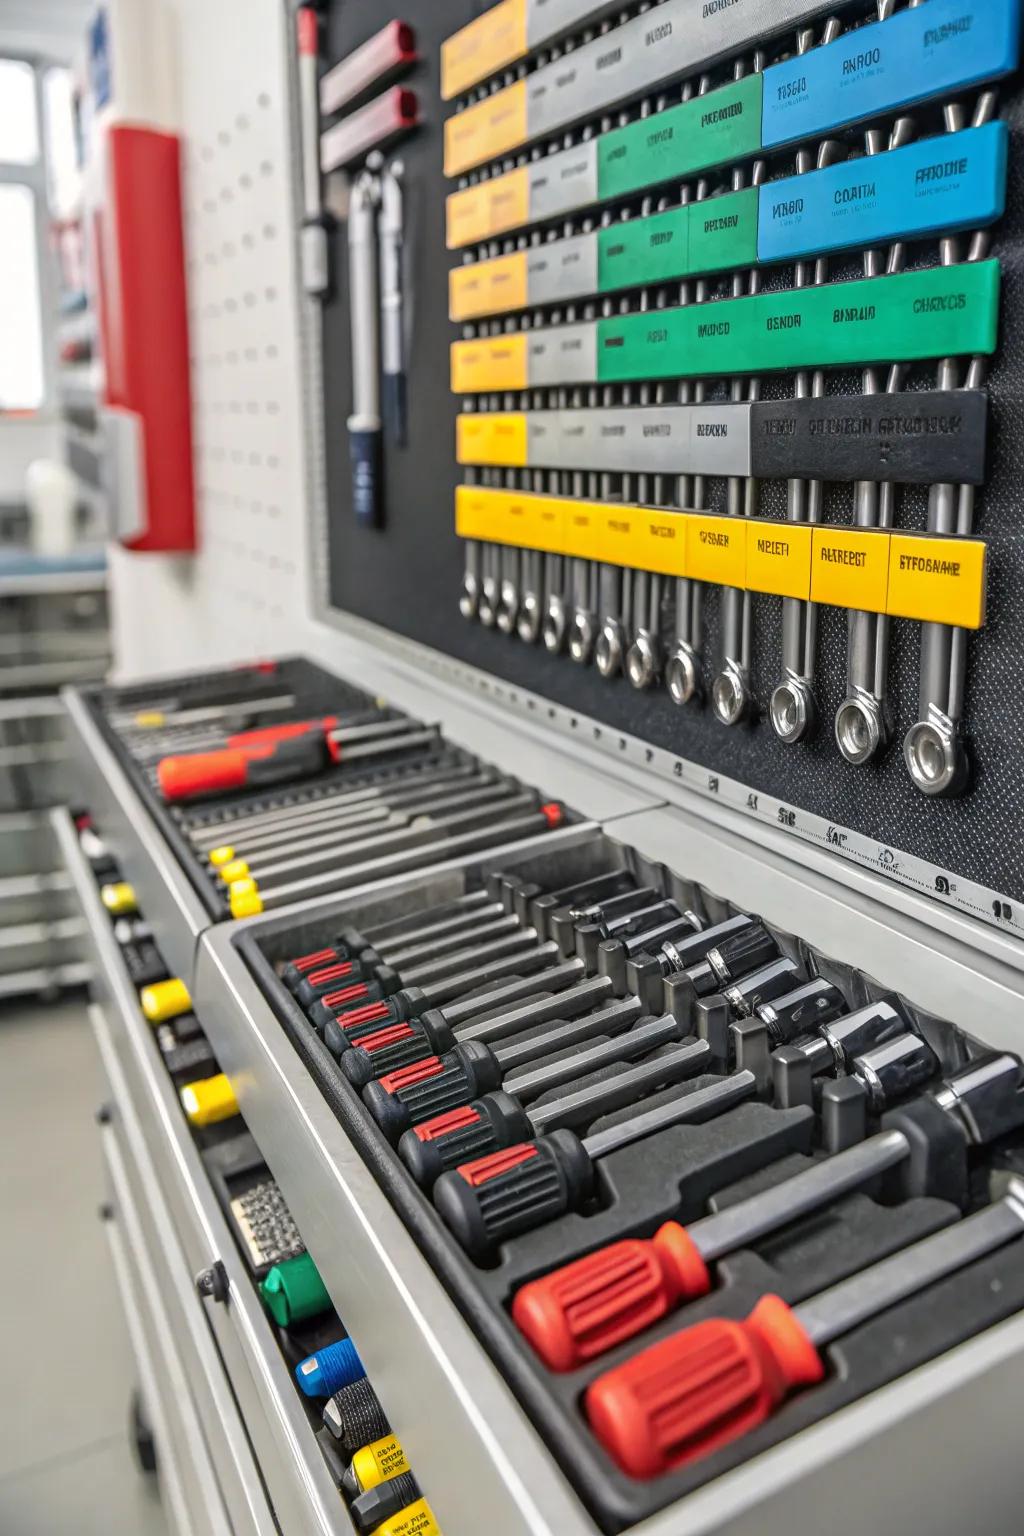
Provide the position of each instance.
(588, 1307)
(494, 1198)
(463, 1135)
(431, 1087)
(700, 1389)
(387, 1050)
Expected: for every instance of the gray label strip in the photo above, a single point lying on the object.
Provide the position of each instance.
(928, 438)
(666, 41)
(565, 355)
(547, 19)
(563, 181)
(658, 440)
(562, 269)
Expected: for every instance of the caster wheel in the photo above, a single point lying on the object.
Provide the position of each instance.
(140, 1435)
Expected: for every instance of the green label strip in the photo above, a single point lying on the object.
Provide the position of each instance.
(942, 312)
(709, 130)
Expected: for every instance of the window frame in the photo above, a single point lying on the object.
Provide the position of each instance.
(33, 176)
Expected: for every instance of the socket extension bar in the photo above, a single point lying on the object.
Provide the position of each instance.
(931, 52)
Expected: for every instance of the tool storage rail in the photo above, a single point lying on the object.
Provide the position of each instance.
(552, 1117)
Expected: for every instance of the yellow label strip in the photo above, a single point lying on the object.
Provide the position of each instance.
(494, 363)
(489, 43)
(488, 287)
(909, 576)
(498, 440)
(476, 213)
(485, 131)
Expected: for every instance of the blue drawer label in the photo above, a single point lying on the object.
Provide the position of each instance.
(938, 49)
(953, 181)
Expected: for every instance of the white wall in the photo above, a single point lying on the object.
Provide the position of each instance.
(51, 29)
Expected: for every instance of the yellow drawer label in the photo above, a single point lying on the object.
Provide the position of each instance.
(477, 213)
(583, 532)
(716, 549)
(850, 568)
(495, 39)
(938, 580)
(497, 439)
(549, 532)
(481, 514)
(494, 363)
(616, 535)
(488, 287)
(661, 543)
(485, 131)
(779, 559)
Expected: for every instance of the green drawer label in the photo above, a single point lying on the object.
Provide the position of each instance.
(709, 130)
(723, 232)
(946, 311)
(943, 312)
(643, 250)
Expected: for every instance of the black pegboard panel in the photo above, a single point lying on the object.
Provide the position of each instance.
(407, 575)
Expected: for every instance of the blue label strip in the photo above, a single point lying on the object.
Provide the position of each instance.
(954, 181)
(937, 49)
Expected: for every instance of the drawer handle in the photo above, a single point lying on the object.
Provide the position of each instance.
(213, 1282)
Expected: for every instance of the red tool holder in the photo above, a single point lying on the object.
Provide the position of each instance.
(143, 322)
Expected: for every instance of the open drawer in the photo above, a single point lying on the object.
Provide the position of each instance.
(269, 1468)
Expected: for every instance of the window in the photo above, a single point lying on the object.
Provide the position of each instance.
(22, 210)
(21, 341)
(19, 125)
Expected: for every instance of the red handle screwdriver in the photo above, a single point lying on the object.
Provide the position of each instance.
(710, 1384)
(255, 759)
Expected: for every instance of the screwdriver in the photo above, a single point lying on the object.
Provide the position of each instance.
(498, 1119)
(247, 903)
(397, 804)
(429, 1035)
(412, 1000)
(496, 1197)
(702, 1388)
(343, 1029)
(545, 906)
(255, 759)
(313, 850)
(441, 1084)
(320, 982)
(207, 833)
(594, 1304)
(352, 943)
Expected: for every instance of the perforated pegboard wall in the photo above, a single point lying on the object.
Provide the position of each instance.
(246, 589)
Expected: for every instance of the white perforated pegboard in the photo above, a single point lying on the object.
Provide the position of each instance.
(246, 590)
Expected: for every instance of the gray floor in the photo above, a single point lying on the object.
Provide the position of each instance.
(66, 1372)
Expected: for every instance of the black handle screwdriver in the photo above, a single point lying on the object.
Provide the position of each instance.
(435, 1084)
(428, 1036)
(494, 1198)
(351, 942)
(499, 1118)
(432, 1089)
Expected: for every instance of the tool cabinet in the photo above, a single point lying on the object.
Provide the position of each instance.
(679, 514)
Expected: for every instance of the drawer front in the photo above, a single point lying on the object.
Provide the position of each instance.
(226, 1449)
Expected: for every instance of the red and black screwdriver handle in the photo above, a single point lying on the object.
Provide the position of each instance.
(251, 760)
(496, 1197)
(431, 1087)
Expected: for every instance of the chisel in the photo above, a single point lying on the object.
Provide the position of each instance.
(444, 1085)
(494, 1198)
(700, 1389)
